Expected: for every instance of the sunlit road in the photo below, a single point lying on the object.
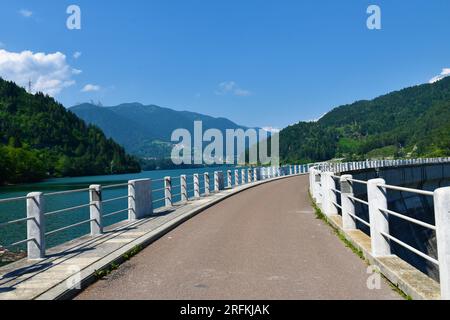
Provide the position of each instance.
(264, 243)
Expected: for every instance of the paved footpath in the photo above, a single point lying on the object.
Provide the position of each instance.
(264, 243)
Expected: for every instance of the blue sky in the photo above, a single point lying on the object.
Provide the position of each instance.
(259, 63)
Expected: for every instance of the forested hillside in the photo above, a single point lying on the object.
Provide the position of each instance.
(39, 138)
(412, 122)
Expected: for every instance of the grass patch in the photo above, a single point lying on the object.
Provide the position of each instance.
(397, 289)
(101, 274)
(339, 234)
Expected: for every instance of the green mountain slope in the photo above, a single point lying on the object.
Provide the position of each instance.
(146, 130)
(39, 138)
(411, 122)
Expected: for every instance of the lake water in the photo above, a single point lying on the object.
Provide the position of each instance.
(17, 209)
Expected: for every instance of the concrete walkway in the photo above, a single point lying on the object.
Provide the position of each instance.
(264, 243)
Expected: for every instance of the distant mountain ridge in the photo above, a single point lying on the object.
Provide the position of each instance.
(145, 130)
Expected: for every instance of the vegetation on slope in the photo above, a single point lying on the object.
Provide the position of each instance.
(39, 138)
(413, 122)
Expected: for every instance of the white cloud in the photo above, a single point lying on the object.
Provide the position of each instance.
(26, 13)
(76, 55)
(90, 88)
(231, 87)
(445, 73)
(48, 73)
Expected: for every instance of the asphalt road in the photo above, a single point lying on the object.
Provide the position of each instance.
(264, 243)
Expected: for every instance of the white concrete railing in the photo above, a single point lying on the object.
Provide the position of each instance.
(324, 189)
(141, 202)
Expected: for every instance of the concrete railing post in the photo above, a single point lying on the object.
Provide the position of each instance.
(229, 179)
(329, 194)
(442, 217)
(183, 188)
(348, 205)
(139, 199)
(196, 186)
(236, 177)
(311, 184)
(243, 176)
(317, 187)
(36, 225)
(379, 220)
(290, 171)
(95, 209)
(207, 187)
(249, 175)
(255, 174)
(216, 181)
(168, 191)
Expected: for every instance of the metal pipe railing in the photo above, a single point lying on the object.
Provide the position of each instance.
(323, 178)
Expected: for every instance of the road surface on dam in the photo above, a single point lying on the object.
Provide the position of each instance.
(263, 243)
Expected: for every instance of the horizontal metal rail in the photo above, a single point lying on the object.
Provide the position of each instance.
(13, 199)
(67, 209)
(68, 227)
(113, 186)
(18, 243)
(401, 216)
(116, 199)
(4, 224)
(115, 213)
(422, 192)
(161, 189)
(337, 205)
(359, 219)
(159, 200)
(336, 190)
(412, 249)
(60, 193)
(357, 181)
(358, 200)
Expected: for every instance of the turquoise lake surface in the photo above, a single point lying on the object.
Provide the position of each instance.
(16, 210)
